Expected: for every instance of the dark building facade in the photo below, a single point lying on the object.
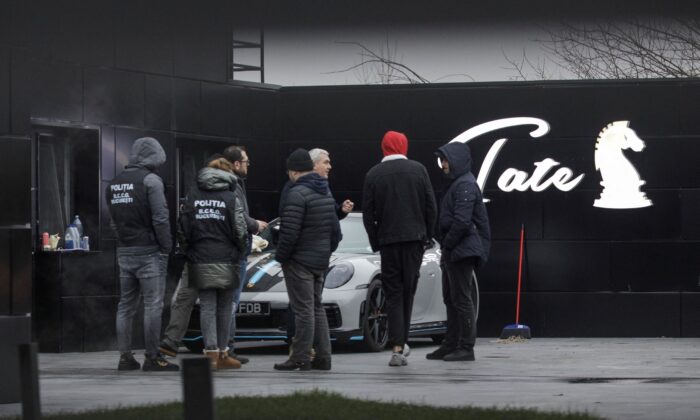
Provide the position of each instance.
(79, 83)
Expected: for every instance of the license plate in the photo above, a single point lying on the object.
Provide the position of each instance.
(253, 308)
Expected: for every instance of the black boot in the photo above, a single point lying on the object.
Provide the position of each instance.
(321, 363)
(460, 355)
(127, 362)
(292, 365)
(439, 353)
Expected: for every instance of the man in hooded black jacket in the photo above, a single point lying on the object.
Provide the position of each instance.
(139, 214)
(463, 230)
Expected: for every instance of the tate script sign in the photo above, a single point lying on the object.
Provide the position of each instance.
(620, 180)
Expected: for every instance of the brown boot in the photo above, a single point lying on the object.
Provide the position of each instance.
(227, 362)
(213, 355)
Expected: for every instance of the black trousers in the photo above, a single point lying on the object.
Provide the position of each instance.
(400, 270)
(457, 285)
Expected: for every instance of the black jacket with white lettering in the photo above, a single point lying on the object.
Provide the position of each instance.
(139, 213)
(309, 227)
(213, 231)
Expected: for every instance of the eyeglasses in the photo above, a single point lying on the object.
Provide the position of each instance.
(247, 162)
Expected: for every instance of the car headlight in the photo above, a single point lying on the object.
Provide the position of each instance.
(338, 275)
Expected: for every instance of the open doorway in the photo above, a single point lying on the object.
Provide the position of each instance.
(67, 179)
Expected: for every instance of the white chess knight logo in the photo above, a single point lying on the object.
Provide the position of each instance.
(621, 180)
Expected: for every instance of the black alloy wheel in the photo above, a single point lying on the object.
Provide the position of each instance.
(375, 325)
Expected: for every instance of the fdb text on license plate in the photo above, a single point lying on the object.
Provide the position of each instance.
(253, 308)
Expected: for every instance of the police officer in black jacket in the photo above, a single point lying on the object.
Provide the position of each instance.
(141, 222)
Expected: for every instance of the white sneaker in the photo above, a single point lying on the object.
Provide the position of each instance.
(397, 359)
(406, 350)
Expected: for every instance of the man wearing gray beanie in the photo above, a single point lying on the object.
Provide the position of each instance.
(309, 232)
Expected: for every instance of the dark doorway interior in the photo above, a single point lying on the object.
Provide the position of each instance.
(67, 176)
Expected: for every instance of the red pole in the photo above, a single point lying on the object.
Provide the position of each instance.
(520, 274)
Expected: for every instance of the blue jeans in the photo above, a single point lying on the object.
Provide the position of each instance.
(215, 317)
(141, 275)
(236, 300)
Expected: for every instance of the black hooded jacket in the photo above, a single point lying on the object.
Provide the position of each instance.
(137, 205)
(463, 224)
(309, 229)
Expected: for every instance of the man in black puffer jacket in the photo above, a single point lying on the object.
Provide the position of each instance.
(465, 238)
(309, 232)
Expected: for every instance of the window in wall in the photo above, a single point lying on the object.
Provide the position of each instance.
(68, 180)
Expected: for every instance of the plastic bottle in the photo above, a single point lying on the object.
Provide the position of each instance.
(78, 224)
(72, 237)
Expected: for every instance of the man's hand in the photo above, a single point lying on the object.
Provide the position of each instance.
(347, 206)
(261, 225)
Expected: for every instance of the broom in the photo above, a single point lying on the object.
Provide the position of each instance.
(518, 329)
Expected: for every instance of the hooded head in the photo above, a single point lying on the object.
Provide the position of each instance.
(459, 156)
(147, 152)
(394, 143)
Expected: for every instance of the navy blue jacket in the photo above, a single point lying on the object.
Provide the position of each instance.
(463, 224)
(309, 228)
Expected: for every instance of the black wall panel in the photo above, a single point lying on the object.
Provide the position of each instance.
(689, 122)
(571, 215)
(16, 172)
(690, 314)
(114, 97)
(656, 266)
(612, 315)
(144, 36)
(188, 105)
(5, 272)
(267, 170)
(4, 90)
(21, 91)
(690, 209)
(555, 266)
(159, 102)
(99, 328)
(584, 108)
(57, 91)
(215, 110)
(202, 39)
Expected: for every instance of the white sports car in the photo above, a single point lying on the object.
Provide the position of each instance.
(353, 295)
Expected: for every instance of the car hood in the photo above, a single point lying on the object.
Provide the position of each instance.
(264, 273)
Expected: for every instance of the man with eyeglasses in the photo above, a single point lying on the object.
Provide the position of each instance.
(238, 156)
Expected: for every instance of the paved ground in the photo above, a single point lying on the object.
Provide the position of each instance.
(619, 378)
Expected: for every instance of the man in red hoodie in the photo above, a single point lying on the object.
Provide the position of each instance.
(399, 214)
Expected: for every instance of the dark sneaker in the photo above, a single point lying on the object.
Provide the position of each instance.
(242, 360)
(167, 349)
(460, 355)
(439, 353)
(292, 365)
(321, 363)
(159, 364)
(127, 362)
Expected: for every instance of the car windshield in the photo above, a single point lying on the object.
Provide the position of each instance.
(354, 236)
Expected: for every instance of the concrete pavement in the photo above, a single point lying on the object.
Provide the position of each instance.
(617, 378)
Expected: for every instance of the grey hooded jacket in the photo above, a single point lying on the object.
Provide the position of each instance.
(147, 153)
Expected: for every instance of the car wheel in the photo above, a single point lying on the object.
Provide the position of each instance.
(194, 345)
(375, 326)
